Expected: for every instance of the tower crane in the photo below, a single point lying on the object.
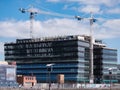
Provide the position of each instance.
(32, 12)
(92, 20)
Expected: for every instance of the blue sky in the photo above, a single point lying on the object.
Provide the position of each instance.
(56, 18)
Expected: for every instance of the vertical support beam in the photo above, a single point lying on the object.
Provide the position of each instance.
(110, 76)
(31, 24)
(91, 51)
(92, 20)
(49, 73)
(49, 68)
(32, 12)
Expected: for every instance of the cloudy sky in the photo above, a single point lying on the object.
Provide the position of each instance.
(56, 18)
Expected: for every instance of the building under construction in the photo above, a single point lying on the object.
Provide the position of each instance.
(70, 56)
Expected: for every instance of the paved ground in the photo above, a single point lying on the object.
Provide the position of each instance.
(114, 87)
(58, 89)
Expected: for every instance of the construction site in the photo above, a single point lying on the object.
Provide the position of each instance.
(68, 62)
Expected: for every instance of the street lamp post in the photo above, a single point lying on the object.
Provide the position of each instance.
(49, 68)
(92, 20)
(110, 76)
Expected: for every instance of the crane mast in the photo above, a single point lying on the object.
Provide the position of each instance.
(92, 20)
(32, 12)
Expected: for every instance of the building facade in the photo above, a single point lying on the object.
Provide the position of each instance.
(118, 73)
(70, 55)
(105, 59)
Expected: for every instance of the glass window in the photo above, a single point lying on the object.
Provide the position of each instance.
(109, 51)
(81, 54)
(80, 43)
(109, 56)
(81, 49)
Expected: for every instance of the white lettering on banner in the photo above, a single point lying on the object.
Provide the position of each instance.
(40, 49)
(40, 45)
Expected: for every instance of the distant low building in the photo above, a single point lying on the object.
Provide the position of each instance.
(26, 81)
(7, 75)
(3, 63)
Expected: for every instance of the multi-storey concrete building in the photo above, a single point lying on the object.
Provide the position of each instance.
(70, 55)
(105, 59)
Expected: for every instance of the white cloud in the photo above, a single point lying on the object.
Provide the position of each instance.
(90, 8)
(65, 7)
(114, 11)
(58, 27)
(99, 6)
(53, 0)
(51, 27)
(55, 27)
(98, 2)
(113, 24)
(108, 29)
(108, 3)
(14, 28)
